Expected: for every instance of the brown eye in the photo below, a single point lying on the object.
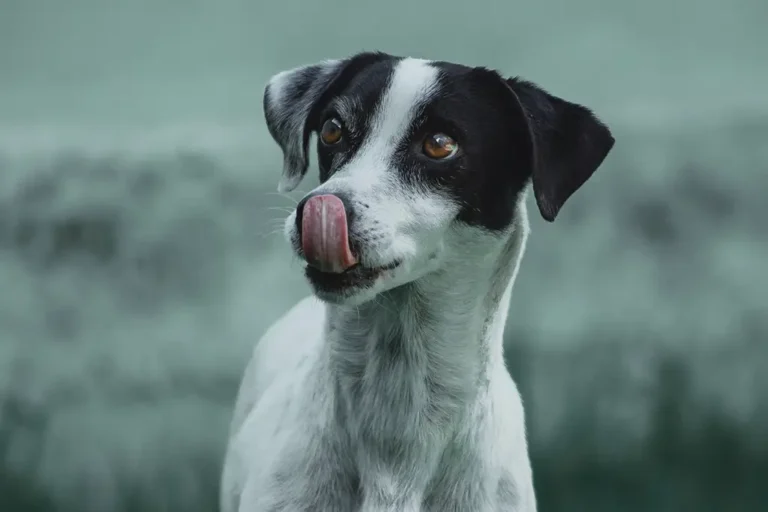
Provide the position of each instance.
(331, 132)
(440, 146)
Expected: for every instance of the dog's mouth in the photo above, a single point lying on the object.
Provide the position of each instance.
(333, 265)
(357, 276)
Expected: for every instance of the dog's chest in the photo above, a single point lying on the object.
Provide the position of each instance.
(351, 470)
(397, 429)
(335, 482)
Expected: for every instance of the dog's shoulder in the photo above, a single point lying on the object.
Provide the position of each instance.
(285, 344)
(509, 440)
(268, 389)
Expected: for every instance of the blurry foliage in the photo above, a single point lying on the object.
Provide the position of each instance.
(712, 468)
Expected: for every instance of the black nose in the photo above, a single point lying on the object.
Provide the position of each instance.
(344, 200)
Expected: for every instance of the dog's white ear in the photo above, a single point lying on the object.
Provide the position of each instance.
(568, 144)
(292, 101)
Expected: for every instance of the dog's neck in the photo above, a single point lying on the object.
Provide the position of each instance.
(409, 366)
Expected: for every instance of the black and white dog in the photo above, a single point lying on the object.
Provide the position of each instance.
(388, 390)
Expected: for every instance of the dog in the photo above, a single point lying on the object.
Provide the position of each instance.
(386, 390)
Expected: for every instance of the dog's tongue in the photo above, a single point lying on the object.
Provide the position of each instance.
(324, 234)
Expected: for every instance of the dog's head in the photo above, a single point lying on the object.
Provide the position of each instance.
(412, 152)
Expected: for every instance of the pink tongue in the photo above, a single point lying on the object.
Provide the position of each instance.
(324, 234)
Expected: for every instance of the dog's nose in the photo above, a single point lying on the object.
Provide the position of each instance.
(300, 208)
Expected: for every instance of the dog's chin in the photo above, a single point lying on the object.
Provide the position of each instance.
(354, 286)
(360, 284)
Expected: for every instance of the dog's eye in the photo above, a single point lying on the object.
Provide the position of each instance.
(331, 132)
(440, 146)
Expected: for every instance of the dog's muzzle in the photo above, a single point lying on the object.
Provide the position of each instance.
(325, 233)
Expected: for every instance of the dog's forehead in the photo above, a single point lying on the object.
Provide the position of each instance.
(392, 86)
(400, 87)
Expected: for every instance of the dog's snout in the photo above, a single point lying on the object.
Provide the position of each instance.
(322, 222)
(300, 208)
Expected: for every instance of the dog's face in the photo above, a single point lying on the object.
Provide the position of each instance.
(417, 159)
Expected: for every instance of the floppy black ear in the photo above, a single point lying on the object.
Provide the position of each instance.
(568, 144)
(293, 99)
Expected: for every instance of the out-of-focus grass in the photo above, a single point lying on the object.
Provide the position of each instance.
(710, 468)
(713, 467)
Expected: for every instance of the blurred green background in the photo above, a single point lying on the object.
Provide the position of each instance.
(139, 260)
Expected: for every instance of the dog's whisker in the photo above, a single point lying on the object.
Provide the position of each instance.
(282, 209)
(288, 198)
(274, 232)
(276, 222)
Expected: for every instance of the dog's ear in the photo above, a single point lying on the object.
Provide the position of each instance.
(563, 143)
(292, 101)
(568, 143)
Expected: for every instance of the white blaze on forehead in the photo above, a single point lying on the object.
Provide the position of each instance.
(413, 82)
